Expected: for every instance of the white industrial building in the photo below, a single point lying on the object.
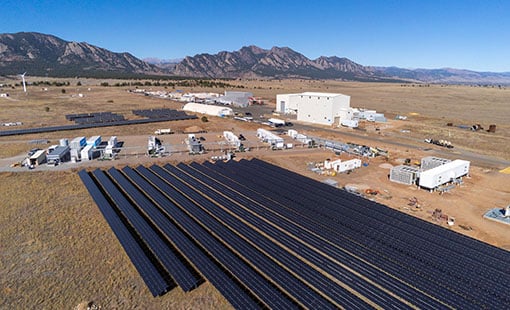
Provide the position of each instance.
(208, 109)
(318, 108)
(443, 174)
(239, 99)
(432, 173)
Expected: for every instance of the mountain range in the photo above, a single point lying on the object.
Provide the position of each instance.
(47, 55)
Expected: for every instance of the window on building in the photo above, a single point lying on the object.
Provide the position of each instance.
(327, 97)
(309, 97)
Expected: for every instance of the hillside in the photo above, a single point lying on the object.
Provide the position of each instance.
(42, 54)
(47, 55)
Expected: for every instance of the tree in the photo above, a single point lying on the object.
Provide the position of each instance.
(78, 84)
(46, 109)
(204, 119)
(63, 90)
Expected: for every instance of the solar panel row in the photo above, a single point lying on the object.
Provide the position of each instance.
(159, 113)
(96, 117)
(277, 239)
(359, 233)
(85, 126)
(474, 287)
(149, 273)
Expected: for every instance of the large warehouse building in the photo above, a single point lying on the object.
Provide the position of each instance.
(208, 109)
(319, 108)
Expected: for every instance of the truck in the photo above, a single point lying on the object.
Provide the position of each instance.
(166, 131)
(276, 122)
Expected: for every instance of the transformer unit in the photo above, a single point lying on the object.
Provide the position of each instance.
(404, 174)
(430, 162)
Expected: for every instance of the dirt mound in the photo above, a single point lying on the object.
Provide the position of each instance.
(386, 166)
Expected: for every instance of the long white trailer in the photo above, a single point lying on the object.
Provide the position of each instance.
(342, 166)
(443, 174)
(269, 137)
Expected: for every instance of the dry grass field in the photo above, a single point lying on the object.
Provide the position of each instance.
(57, 251)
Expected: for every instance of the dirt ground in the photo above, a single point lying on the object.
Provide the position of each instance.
(57, 251)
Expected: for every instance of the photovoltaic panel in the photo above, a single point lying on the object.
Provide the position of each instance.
(304, 238)
(149, 273)
(184, 277)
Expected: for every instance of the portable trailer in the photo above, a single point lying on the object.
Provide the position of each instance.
(432, 178)
(343, 166)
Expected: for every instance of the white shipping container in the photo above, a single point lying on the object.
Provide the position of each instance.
(78, 143)
(75, 153)
(38, 158)
(87, 152)
(292, 133)
(94, 141)
(113, 141)
(440, 175)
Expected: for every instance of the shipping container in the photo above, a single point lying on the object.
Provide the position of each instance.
(94, 141)
(37, 158)
(78, 142)
(87, 152)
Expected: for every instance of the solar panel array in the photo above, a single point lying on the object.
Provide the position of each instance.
(160, 113)
(184, 116)
(94, 118)
(267, 237)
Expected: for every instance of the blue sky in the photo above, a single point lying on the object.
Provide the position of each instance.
(464, 34)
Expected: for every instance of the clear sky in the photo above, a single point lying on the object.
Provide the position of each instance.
(463, 34)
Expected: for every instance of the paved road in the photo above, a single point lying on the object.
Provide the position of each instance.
(481, 160)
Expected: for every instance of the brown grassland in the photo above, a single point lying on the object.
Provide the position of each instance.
(57, 251)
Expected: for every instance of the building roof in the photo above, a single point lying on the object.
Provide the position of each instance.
(309, 93)
(59, 150)
(207, 109)
(446, 167)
